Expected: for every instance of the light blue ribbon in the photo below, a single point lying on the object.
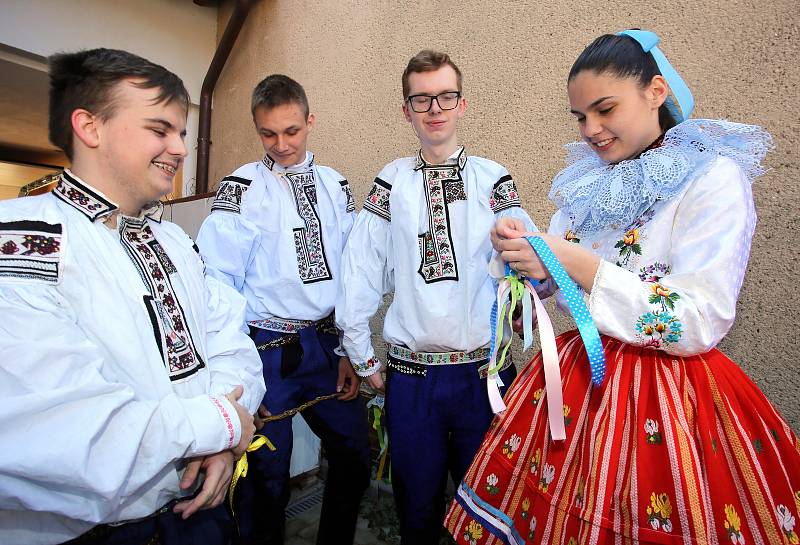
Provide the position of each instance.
(649, 40)
(578, 309)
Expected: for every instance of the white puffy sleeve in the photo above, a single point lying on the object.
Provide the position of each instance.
(367, 275)
(505, 202)
(689, 309)
(74, 437)
(228, 243)
(232, 356)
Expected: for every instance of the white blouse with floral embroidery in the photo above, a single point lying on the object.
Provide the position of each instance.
(671, 279)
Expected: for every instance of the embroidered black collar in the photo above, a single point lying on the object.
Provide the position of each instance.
(270, 163)
(93, 204)
(459, 157)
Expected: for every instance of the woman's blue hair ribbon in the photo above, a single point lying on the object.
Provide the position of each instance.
(649, 41)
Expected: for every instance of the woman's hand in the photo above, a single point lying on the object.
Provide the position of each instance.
(507, 239)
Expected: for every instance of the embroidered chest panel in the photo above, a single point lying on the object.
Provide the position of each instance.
(30, 250)
(166, 314)
(308, 244)
(443, 186)
(229, 195)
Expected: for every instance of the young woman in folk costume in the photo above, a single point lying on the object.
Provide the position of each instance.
(654, 222)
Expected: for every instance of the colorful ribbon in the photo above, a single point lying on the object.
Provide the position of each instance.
(648, 41)
(242, 466)
(577, 308)
(513, 289)
(376, 404)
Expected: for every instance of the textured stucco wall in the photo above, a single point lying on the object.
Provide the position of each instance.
(739, 58)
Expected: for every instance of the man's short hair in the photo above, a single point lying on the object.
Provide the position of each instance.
(86, 79)
(277, 90)
(428, 60)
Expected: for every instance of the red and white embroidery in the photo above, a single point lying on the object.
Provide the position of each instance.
(228, 421)
(30, 250)
(155, 267)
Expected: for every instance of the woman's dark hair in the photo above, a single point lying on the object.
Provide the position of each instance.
(623, 57)
(87, 79)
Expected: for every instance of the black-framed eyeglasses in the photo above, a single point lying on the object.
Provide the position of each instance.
(446, 101)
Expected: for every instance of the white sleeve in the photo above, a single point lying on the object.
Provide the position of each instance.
(228, 243)
(232, 356)
(519, 213)
(366, 278)
(72, 436)
(690, 309)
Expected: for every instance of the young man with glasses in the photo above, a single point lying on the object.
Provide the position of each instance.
(424, 234)
(276, 233)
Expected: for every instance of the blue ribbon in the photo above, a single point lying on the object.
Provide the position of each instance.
(649, 40)
(578, 309)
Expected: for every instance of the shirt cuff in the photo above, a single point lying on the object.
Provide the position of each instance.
(215, 423)
(367, 368)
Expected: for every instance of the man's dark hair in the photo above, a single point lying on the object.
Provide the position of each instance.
(277, 90)
(623, 57)
(86, 79)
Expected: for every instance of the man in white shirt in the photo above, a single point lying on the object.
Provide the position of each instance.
(126, 373)
(424, 234)
(276, 233)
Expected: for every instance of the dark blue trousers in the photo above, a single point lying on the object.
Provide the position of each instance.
(295, 373)
(207, 527)
(436, 424)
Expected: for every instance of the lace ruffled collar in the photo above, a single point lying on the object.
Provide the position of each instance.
(596, 195)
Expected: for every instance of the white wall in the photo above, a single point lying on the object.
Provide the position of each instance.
(177, 34)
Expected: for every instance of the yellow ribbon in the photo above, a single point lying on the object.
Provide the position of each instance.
(241, 466)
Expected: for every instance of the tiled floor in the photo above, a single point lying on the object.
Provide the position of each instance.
(303, 517)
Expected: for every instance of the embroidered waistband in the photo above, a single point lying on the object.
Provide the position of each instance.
(437, 358)
(284, 325)
(403, 360)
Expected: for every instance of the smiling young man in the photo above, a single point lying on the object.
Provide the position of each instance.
(276, 233)
(126, 373)
(424, 234)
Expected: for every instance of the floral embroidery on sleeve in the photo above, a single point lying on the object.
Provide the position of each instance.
(663, 295)
(654, 272)
(658, 329)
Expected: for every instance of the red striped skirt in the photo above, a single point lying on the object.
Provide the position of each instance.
(667, 450)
